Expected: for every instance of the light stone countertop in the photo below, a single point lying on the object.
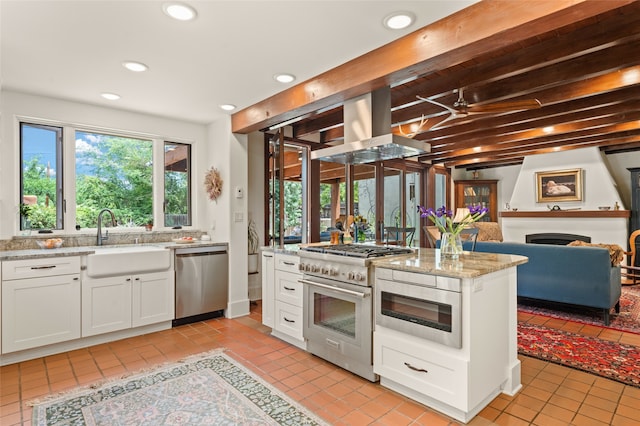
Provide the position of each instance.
(469, 265)
(287, 249)
(84, 250)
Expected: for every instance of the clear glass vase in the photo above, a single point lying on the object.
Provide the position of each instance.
(450, 245)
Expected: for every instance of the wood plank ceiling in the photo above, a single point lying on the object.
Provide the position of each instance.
(585, 73)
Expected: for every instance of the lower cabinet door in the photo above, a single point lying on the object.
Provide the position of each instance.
(152, 298)
(40, 311)
(106, 305)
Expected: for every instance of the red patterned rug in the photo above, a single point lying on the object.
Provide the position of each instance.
(627, 320)
(612, 360)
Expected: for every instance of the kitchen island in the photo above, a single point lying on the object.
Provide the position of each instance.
(446, 330)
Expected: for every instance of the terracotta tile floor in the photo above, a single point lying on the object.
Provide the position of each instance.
(552, 395)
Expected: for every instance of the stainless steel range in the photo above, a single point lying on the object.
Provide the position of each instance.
(338, 303)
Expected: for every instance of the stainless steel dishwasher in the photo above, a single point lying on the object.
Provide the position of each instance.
(202, 283)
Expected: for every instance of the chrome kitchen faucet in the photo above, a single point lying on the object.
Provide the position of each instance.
(100, 238)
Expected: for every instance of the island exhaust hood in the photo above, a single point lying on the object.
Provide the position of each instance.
(367, 133)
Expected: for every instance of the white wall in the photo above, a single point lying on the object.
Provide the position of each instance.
(255, 202)
(618, 165)
(598, 186)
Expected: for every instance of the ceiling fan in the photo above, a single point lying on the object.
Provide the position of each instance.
(461, 108)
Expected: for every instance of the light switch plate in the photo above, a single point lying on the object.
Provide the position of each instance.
(238, 216)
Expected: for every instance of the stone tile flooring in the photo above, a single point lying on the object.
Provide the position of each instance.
(552, 395)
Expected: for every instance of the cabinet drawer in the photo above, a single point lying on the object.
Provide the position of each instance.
(289, 290)
(287, 262)
(444, 377)
(289, 319)
(35, 268)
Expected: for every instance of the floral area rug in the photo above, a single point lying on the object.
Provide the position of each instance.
(208, 390)
(627, 320)
(612, 360)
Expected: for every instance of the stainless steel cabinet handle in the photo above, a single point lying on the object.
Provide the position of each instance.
(43, 267)
(420, 370)
(289, 288)
(289, 263)
(267, 255)
(288, 320)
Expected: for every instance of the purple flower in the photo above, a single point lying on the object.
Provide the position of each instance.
(443, 218)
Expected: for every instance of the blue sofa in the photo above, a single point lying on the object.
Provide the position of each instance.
(572, 275)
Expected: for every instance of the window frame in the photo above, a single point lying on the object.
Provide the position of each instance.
(65, 175)
(189, 168)
(59, 167)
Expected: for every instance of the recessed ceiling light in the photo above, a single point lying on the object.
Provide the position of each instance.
(135, 66)
(179, 11)
(284, 78)
(228, 107)
(399, 20)
(110, 96)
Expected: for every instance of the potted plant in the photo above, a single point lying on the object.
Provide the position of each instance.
(25, 223)
(253, 241)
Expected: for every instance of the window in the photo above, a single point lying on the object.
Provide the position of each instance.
(41, 176)
(177, 186)
(113, 172)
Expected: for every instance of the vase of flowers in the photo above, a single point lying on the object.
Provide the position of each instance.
(450, 242)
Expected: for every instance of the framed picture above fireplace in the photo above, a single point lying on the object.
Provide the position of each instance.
(559, 185)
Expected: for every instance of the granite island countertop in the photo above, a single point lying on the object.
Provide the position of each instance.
(469, 264)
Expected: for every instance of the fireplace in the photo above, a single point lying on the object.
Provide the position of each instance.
(555, 238)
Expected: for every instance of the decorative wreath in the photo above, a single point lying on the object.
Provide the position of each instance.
(213, 183)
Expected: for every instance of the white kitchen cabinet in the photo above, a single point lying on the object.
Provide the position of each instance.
(456, 381)
(121, 302)
(268, 287)
(288, 317)
(152, 298)
(106, 305)
(40, 302)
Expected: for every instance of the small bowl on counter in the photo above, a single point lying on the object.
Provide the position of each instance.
(604, 208)
(50, 243)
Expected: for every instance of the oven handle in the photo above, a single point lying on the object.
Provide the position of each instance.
(338, 289)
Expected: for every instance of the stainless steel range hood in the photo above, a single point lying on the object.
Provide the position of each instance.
(367, 133)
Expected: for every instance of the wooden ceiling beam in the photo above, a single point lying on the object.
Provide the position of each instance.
(483, 27)
(554, 49)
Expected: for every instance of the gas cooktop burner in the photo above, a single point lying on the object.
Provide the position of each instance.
(359, 250)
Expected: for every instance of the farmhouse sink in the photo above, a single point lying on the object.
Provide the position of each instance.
(123, 260)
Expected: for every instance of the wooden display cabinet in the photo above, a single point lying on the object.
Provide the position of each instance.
(478, 192)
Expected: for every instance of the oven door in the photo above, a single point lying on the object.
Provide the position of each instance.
(427, 312)
(338, 324)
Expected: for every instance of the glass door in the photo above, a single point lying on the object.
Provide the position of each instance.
(364, 190)
(412, 199)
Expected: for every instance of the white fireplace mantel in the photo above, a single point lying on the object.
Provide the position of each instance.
(606, 227)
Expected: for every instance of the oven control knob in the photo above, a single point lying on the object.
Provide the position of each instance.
(333, 272)
(351, 276)
(314, 268)
(301, 267)
(307, 267)
(325, 271)
(359, 277)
